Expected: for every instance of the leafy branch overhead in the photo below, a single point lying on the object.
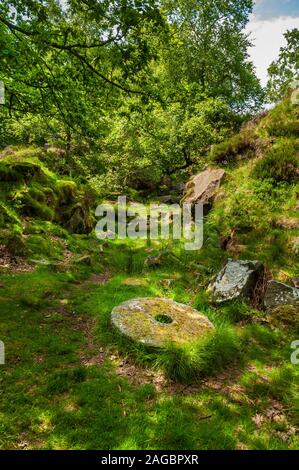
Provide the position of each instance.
(54, 55)
(142, 88)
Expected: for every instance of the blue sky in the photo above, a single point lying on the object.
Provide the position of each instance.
(270, 20)
(267, 9)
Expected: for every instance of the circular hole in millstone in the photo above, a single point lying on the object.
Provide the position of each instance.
(162, 318)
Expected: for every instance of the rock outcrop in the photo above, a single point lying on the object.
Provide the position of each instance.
(201, 188)
(236, 281)
(155, 322)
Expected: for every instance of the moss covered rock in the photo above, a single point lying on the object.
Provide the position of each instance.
(278, 294)
(155, 322)
(30, 190)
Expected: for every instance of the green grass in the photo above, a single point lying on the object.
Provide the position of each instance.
(71, 381)
(239, 146)
(205, 358)
(51, 399)
(280, 163)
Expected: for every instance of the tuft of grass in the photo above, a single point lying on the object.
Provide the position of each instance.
(280, 384)
(62, 381)
(206, 358)
(236, 312)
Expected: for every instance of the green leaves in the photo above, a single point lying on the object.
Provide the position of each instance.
(286, 69)
(71, 60)
(143, 87)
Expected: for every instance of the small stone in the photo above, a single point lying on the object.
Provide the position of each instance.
(278, 294)
(134, 282)
(153, 261)
(167, 283)
(296, 245)
(165, 199)
(236, 280)
(155, 322)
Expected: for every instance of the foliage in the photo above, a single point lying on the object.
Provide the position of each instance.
(125, 88)
(280, 163)
(242, 145)
(143, 150)
(132, 97)
(285, 70)
(208, 52)
(282, 121)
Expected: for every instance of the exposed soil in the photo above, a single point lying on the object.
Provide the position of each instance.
(12, 263)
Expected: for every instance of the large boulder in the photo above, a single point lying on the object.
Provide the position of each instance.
(278, 294)
(236, 281)
(202, 188)
(155, 322)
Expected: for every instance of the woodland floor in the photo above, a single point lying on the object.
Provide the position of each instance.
(71, 383)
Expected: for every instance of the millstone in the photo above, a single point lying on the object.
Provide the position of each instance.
(157, 321)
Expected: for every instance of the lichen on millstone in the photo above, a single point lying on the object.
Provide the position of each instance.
(237, 280)
(156, 321)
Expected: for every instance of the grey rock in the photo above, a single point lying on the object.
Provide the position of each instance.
(179, 188)
(278, 294)
(236, 280)
(202, 188)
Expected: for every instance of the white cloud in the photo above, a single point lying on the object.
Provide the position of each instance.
(267, 38)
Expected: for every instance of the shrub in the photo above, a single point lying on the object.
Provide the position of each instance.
(242, 145)
(283, 120)
(280, 164)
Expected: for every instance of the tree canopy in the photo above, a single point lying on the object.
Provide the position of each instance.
(285, 69)
(144, 85)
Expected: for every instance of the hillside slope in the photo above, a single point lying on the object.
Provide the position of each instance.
(70, 381)
(256, 211)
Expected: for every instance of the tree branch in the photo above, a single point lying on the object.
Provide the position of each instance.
(71, 49)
